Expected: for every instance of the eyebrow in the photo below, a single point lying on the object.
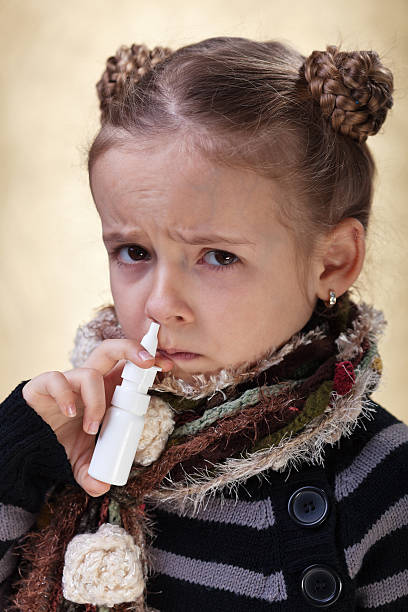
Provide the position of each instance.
(194, 239)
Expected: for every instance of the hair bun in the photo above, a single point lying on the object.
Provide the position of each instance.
(353, 89)
(129, 64)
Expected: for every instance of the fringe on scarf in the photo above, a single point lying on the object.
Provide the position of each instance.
(337, 421)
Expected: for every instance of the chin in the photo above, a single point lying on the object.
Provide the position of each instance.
(183, 374)
(188, 376)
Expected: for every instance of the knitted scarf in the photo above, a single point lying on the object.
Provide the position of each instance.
(273, 414)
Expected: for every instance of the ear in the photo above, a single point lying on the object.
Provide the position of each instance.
(342, 258)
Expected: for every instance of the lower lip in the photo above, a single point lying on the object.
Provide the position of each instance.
(181, 356)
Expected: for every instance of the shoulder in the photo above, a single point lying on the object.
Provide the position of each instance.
(379, 440)
(373, 453)
(369, 475)
(370, 490)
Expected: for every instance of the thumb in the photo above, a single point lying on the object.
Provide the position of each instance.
(113, 378)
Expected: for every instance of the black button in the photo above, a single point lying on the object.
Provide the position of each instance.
(308, 506)
(321, 586)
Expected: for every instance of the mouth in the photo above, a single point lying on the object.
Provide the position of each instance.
(178, 354)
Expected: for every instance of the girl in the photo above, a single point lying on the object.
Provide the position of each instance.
(234, 186)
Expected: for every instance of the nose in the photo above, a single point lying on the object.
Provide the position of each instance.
(168, 300)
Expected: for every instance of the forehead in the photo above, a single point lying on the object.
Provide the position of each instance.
(184, 188)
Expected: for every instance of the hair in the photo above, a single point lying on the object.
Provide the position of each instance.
(261, 106)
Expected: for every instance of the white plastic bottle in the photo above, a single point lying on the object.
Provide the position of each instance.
(123, 423)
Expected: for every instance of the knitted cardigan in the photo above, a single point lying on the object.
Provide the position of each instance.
(252, 533)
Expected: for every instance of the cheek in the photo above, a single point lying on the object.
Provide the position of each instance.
(129, 307)
(228, 317)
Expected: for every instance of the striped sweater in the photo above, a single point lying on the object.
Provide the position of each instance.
(322, 536)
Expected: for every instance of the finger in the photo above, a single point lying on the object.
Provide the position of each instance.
(110, 351)
(91, 485)
(55, 385)
(164, 363)
(89, 383)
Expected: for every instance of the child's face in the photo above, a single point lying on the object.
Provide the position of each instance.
(227, 300)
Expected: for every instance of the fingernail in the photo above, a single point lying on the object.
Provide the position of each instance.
(71, 410)
(145, 356)
(93, 427)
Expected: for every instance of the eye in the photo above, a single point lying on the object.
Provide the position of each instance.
(129, 254)
(223, 259)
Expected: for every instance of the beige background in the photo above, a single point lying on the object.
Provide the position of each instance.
(53, 265)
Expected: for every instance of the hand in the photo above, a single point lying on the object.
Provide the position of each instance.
(74, 402)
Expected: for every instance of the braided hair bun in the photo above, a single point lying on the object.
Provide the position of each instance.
(354, 89)
(128, 65)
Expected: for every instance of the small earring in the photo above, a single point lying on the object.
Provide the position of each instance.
(332, 299)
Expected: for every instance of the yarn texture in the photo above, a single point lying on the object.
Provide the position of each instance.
(102, 568)
(159, 424)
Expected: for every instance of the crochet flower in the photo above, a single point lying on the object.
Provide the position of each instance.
(102, 568)
(344, 377)
(159, 424)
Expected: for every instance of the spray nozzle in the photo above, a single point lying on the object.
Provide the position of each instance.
(149, 340)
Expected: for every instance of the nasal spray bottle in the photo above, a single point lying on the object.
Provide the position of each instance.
(123, 423)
